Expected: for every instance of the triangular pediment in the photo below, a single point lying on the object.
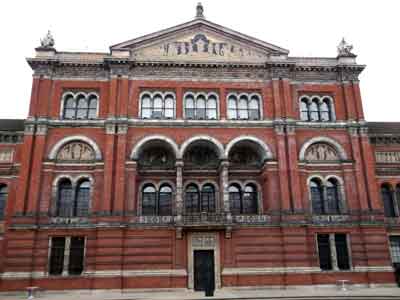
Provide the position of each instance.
(199, 41)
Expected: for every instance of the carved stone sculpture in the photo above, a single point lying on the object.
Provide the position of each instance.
(6, 155)
(321, 152)
(199, 11)
(47, 41)
(76, 151)
(344, 49)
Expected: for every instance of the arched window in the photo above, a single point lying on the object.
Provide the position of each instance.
(244, 107)
(65, 199)
(149, 200)
(208, 198)
(192, 199)
(304, 110)
(250, 199)
(314, 110)
(243, 201)
(157, 105)
(165, 200)
(80, 106)
(388, 204)
(82, 198)
(317, 198)
(325, 110)
(235, 199)
(3, 200)
(201, 106)
(332, 194)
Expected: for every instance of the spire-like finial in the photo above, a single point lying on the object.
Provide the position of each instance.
(47, 41)
(344, 49)
(199, 10)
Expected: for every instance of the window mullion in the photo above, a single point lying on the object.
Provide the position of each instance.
(325, 204)
(332, 246)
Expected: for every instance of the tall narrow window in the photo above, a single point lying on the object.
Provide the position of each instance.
(165, 201)
(169, 107)
(324, 252)
(192, 199)
(65, 200)
(146, 106)
(208, 198)
(232, 108)
(395, 248)
(82, 111)
(342, 252)
(332, 194)
(201, 107)
(157, 107)
(82, 198)
(69, 107)
(212, 108)
(243, 108)
(149, 200)
(254, 108)
(314, 110)
(317, 198)
(387, 197)
(325, 111)
(304, 109)
(3, 200)
(235, 199)
(92, 107)
(250, 199)
(57, 250)
(76, 255)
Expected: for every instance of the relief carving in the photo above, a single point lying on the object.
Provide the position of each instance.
(203, 241)
(76, 151)
(321, 152)
(6, 155)
(387, 157)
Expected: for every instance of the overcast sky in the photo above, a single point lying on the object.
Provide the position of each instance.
(306, 28)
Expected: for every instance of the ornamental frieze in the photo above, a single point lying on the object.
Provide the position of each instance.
(387, 157)
(6, 155)
(200, 46)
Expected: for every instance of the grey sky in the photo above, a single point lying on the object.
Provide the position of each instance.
(306, 28)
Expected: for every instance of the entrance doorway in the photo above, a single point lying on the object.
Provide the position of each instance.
(204, 277)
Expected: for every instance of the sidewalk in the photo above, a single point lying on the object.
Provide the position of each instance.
(310, 292)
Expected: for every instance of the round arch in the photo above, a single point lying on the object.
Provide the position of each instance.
(136, 149)
(82, 138)
(322, 139)
(217, 144)
(267, 152)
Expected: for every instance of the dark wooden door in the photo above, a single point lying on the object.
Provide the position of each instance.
(204, 279)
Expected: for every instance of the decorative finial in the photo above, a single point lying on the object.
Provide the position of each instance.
(47, 41)
(199, 11)
(344, 49)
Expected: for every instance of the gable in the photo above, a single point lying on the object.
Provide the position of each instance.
(199, 41)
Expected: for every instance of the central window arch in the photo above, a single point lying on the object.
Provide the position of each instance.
(243, 200)
(157, 105)
(200, 200)
(79, 106)
(201, 106)
(316, 108)
(325, 196)
(157, 202)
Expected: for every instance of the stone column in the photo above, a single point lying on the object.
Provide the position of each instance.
(224, 181)
(179, 189)
(108, 168)
(118, 205)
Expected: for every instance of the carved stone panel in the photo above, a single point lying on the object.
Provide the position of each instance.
(76, 152)
(6, 155)
(387, 157)
(321, 152)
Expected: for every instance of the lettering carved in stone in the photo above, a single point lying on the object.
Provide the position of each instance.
(321, 152)
(76, 151)
(203, 241)
(6, 155)
(387, 157)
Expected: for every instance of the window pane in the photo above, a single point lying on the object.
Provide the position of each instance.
(69, 108)
(324, 111)
(250, 200)
(56, 262)
(192, 201)
(342, 252)
(146, 107)
(189, 107)
(317, 197)
(232, 108)
(65, 199)
(235, 199)
(158, 107)
(388, 204)
(395, 248)
(93, 108)
(149, 205)
(254, 109)
(304, 110)
(200, 108)
(146, 113)
(324, 252)
(314, 116)
(3, 199)
(165, 201)
(208, 198)
(83, 199)
(82, 110)
(212, 108)
(76, 255)
(332, 193)
(169, 107)
(243, 112)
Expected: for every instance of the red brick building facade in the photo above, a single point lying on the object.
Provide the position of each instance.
(196, 150)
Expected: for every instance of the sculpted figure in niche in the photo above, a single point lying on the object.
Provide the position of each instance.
(6, 155)
(321, 152)
(76, 151)
(156, 157)
(244, 156)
